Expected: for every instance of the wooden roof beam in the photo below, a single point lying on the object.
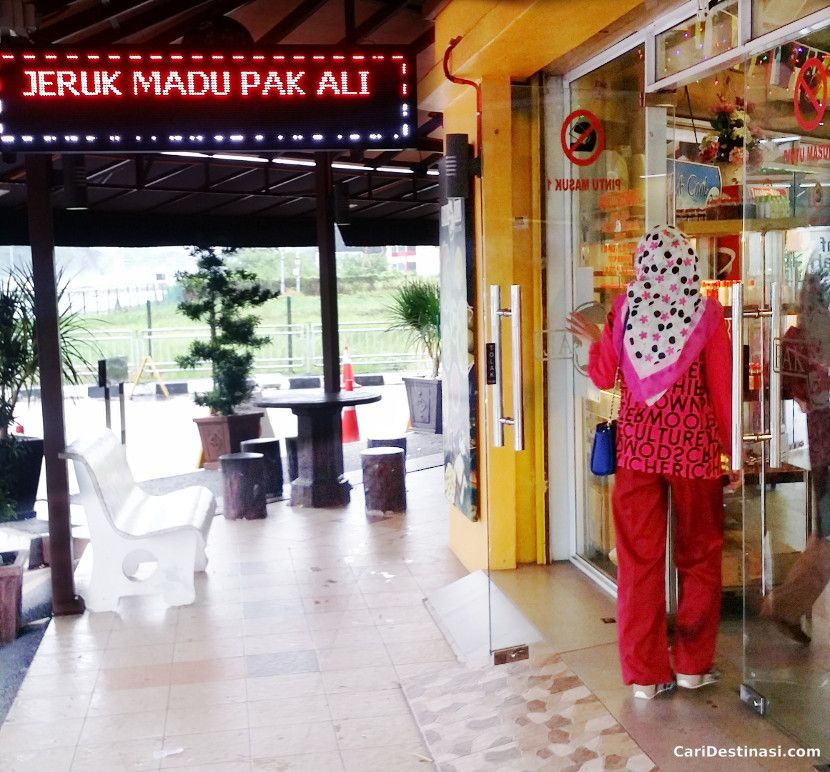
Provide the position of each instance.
(375, 21)
(303, 11)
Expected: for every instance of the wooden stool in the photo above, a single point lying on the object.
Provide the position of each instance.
(244, 475)
(388, 442)
(384, 480)
(291, 455)
(11, 594)
(270, 448)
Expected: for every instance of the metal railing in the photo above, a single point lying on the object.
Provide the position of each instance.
(291, 348)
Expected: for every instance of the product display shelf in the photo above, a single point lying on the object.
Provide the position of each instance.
(729, 227)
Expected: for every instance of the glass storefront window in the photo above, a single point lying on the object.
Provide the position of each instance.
(768, 15)
(609, 209)
(694, 41)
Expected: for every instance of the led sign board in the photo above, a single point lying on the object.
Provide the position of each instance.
(309, 98)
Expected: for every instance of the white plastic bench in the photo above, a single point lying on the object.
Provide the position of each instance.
(128, 527)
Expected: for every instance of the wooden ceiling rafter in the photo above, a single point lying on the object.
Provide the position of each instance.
(54, 28)
(186, 21)
(305, 10)
(374, 22)
(117, 30)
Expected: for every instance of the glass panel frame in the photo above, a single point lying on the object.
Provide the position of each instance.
(693, 40)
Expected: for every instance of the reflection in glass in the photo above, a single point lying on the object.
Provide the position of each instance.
(693, 41)
(609, 214)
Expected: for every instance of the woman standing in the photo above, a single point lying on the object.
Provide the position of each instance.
(671, 351)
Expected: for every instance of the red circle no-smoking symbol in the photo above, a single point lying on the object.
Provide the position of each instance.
(810, 99)
(582, 137)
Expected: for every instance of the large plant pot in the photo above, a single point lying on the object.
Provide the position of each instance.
(24, 474)
(424, 397)
(222, 434)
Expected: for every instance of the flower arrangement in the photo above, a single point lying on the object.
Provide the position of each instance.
(732, 138)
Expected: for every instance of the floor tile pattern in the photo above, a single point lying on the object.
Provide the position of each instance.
(526, 716)
(291, 658)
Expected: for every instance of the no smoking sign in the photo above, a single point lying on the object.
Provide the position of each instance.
(810, 99)
(582, 137)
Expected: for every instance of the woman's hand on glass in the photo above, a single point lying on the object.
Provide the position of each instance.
(583, 330)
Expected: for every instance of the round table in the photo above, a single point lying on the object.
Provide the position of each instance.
(320, 481)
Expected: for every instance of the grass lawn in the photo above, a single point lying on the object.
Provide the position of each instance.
(305, 309)
(374, 348)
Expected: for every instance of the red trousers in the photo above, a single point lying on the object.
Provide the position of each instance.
(640, 503)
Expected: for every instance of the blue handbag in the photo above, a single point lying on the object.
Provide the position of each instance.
(604, 449)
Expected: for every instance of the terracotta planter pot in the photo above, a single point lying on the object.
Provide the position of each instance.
(222, 434)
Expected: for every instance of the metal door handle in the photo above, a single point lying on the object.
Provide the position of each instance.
(518, 380)
(775, 379)
(495, 337)
(515, 314)
(737, 377)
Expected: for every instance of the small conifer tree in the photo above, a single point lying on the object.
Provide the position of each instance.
(221, 296)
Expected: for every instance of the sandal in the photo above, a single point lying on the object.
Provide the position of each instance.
(696, 681)
(650, 691)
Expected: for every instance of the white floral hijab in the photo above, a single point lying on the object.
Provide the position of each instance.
(664, 314)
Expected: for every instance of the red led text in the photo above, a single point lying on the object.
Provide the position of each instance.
(68, 83)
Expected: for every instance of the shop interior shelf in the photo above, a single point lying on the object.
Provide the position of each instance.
(727, 227)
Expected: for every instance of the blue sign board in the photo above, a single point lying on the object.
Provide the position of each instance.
(694, 183)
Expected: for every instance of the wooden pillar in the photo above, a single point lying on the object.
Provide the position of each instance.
(42, 240)
(328, 273)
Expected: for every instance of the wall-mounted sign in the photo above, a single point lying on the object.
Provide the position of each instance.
(310, 98)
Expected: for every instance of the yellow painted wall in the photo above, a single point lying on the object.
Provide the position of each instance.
(504, 42)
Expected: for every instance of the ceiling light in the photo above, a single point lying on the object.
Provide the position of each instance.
(248, 158)
(395, 169)
(185, 154)
(294, 161)
(350, 166)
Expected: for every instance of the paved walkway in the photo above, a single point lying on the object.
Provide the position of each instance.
(291, 658)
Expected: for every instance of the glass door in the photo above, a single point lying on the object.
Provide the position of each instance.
(752, 189)
(785, 382)
(610, 204)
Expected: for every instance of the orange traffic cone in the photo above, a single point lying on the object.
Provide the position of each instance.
(349, 428)
(348, 371)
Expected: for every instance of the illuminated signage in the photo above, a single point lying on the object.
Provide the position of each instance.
(315, 98)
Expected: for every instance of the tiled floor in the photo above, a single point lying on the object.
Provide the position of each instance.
(533, 715)
(291, 658)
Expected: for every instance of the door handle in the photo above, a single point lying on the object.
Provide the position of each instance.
(518, 379)
(496, 315)
(775, 404)
(495, 337)
(775, 379)
(737, 376)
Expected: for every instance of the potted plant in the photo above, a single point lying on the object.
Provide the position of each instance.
(416, 308)
(21, 456)
(220, 296)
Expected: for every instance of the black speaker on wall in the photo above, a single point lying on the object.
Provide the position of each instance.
(456, 167)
